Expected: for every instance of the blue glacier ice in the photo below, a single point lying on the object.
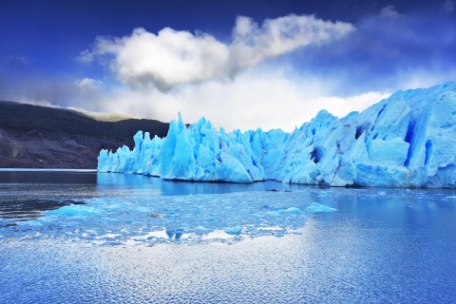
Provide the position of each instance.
(406, 140)
(317, 208)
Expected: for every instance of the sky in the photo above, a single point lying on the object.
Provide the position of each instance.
(241, 64)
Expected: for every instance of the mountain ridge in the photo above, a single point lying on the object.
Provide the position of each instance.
(34, 136)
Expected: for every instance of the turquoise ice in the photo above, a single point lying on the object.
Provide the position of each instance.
(406, 140)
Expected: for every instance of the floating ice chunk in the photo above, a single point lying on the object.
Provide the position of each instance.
(161, 234)
(217, 235)
(236, 230)
(74, 211)
(110, 235)
(317, 207)
(291, 210)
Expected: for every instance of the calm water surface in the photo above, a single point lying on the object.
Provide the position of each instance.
(83, 237)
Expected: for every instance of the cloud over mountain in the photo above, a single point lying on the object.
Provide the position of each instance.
(172, 58)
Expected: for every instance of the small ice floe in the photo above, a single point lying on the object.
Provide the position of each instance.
(235, 230)
(291, 210)
(317, 207)
(217, 235)
(74, 211)
(159, 234)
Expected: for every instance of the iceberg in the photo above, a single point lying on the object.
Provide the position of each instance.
(406, 140)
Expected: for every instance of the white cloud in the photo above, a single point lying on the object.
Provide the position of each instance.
(252, 100)
(389, 12)
(88, 84)
(424, 77)
(85, 56)
(174, 58)
(252, 45)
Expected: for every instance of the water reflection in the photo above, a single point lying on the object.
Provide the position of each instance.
(130, 209)
(142, 240)
(31, 209)
(169, 188)
(48, 176)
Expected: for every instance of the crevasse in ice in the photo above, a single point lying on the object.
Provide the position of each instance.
(408, 139)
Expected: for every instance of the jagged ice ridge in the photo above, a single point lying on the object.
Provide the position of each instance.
(406, 140)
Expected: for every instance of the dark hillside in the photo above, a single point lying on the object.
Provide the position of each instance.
(42, 137)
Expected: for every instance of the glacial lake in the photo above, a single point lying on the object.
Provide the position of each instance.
(82, 237)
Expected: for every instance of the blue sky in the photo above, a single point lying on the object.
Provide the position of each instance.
(241, 64)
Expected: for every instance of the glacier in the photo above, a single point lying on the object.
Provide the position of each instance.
(405, 140)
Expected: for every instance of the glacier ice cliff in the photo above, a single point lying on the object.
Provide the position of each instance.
(406, 140)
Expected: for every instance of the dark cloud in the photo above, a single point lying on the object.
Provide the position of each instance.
(385, 50)
(448, 6)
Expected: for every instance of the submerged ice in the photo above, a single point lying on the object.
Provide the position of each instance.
(408, 139)
(123, 214)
